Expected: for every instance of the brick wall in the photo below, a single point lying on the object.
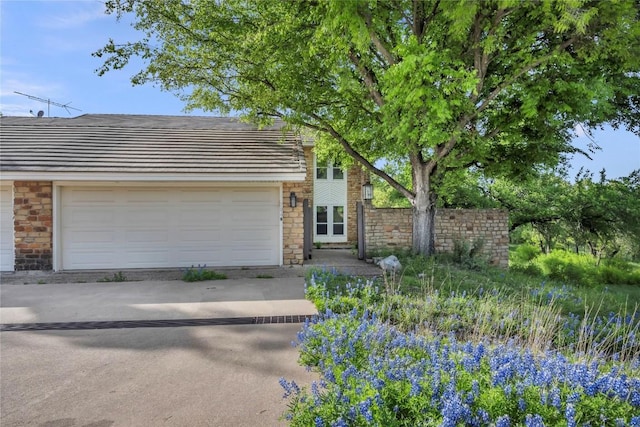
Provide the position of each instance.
(392, 228)
(32, 209)
(292, 225)
(355, 179)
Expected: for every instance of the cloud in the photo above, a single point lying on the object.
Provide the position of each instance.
(27, 84)
(15, 110)
(77, 14)
(13, 104)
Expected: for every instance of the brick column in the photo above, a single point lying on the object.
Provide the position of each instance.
(356, 177)
(33, 227)
(292, 225)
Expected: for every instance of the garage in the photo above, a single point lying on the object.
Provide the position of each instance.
(117, 191)
(110, 227)
(6, 228)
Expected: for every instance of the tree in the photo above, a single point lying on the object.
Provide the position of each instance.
(539, 201)
(498, 85)
(600, 213)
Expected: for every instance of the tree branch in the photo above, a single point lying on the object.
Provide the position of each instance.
(494, 94)
(388, 56)
(369, 79)
(327, 128)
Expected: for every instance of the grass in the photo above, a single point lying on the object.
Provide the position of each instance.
(200, 273)
(481, 302)
(442, 274)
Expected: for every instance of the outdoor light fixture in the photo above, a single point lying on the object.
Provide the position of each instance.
(367, 191)
(293, 200)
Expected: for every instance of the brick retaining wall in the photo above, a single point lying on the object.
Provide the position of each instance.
(392, 228)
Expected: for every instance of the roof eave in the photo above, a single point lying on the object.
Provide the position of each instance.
(152, 176)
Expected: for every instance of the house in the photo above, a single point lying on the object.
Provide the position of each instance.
(135, 191)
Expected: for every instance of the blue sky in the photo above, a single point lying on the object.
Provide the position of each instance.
(45, 51)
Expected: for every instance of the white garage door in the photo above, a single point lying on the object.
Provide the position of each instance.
(135, 227)
(6, 228)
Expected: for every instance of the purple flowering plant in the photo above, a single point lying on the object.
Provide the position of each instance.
(376, 370)
(373, 374)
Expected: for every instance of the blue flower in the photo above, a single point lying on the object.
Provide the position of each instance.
(289, 387)
(533, 421)
(339, 423)
(570, 415)
(503, 421)
(365, 410)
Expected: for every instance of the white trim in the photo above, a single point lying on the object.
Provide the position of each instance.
(164, 184)
(281, 252)
(11, 187)
(151, 177)
(56, 262)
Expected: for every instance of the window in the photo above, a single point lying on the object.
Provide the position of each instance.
(321, 220)
(338, 220)
(321, 170)
(338, 172)
(329, 171)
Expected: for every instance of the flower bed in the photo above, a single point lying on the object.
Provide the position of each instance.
(373, 374)
(446, 371)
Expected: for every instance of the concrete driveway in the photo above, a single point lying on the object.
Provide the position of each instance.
(220, 375)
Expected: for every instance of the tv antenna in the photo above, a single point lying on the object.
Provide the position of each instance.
(50, 103)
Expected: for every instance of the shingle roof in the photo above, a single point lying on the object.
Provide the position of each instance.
(147, 144)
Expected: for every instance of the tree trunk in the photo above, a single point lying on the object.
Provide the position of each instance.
(424, 214)
(424, 229)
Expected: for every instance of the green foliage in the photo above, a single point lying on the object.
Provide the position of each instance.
(566, 266)
(578, 269)
(329, 290)
(525, 253)
(200, 273)
(586, 215)
(495, 85)
(117, 277)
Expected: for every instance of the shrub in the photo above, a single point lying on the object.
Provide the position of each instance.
(568, 266)
(468, 254)
(524, 253)
(200, 273)
(613, 274)
(529, 268)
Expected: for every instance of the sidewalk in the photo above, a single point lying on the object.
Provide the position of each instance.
(82, 296)
(153, 300)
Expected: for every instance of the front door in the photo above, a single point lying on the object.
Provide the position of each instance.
(329, 203)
